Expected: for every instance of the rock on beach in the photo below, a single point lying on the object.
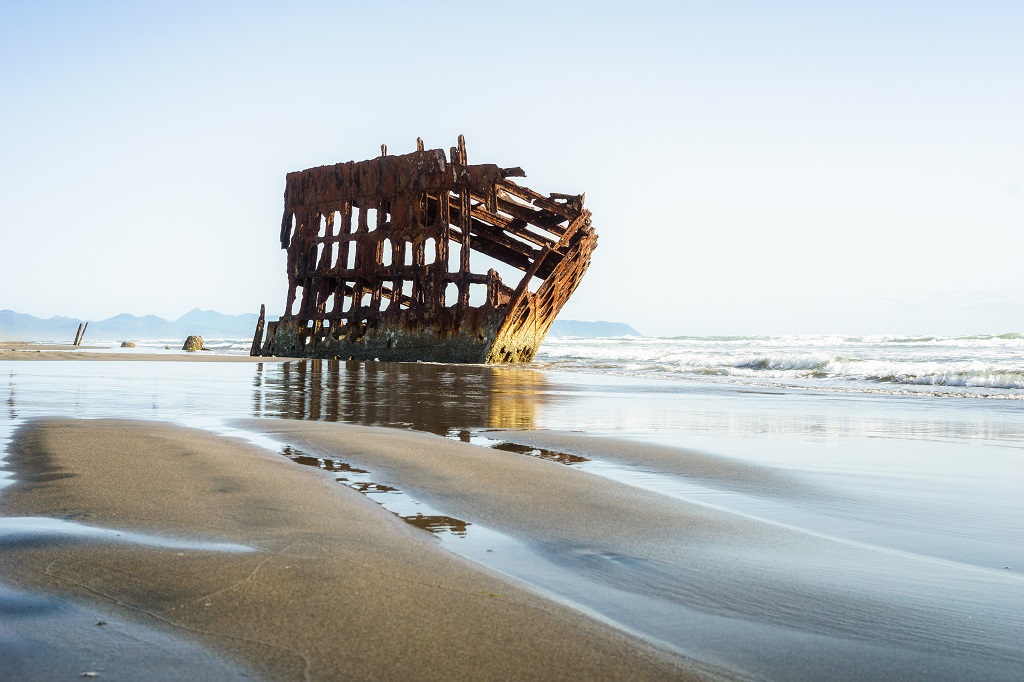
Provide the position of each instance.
(193, 343)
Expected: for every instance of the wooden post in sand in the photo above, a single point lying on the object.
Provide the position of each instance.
(81, 336)
(77, 334)
(257, 338)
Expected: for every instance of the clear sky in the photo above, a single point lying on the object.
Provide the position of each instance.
(752, 167)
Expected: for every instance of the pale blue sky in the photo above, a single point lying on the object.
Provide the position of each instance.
(753, 167)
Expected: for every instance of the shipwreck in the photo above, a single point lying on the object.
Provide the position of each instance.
(397, 258)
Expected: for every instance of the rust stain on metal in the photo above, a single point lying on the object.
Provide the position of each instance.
(396, 258)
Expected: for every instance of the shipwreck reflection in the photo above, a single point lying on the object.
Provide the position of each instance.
(423, 396)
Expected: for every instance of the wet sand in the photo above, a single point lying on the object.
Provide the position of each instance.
(22, 350)
(780, 537)
(764, 600)
(333, 587)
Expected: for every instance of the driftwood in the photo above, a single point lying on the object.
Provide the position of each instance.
(383, 260)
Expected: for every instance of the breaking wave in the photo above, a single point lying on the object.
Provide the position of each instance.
(868, 363)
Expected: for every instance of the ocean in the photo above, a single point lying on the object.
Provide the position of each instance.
(983, 366)
(888, 472)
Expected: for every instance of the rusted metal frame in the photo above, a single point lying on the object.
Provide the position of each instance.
(554, 291)
(385, 272)
(579, 223)
(563, 249)
(509, 242)
(500, 252)
(344, 243)
(391, 294)
(541, 201)
(358, 276)
(381, 217)
(495, 234)
(286, 224)
(550, 222)
(468, 277)
(424, 224)
(520, 230)
(535, 217)
(465, 223)
(479, 213)
(321, 291)
(498, 236)
(508, 231)
(466, 227)
(515, 258)
(444, 225)
(402, 217)
(327, 242)
(517, 228)
(525, 233)
(497, 291)
(294, 256)
(307, 305)
(523, 288)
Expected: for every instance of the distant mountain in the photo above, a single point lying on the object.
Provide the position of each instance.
(125, 327)
(208, 324)
(591, 329)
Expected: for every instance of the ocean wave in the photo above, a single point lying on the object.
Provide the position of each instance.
(968, 379)
(1011, 339)
(785, 362)
(858, 363)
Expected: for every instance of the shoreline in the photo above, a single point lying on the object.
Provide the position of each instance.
(33, 352)
(326, 560)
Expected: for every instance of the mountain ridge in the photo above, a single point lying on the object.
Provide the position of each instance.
(125, 326)
(209, 324)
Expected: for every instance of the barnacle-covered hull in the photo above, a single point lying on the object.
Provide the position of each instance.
(386, 260)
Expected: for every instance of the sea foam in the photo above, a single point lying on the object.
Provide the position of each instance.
(826, 361)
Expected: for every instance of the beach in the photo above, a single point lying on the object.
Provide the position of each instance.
(316, 582)
(313, 520)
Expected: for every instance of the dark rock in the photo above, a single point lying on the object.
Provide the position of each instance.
(127, 344)
(193, 343)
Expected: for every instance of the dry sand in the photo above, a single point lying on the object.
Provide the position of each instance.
(336, 587)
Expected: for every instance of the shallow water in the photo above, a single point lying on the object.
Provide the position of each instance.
(921, 493)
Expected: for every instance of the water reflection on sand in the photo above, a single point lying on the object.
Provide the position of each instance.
(425, 396)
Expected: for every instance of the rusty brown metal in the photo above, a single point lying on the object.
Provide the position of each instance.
(386, 260)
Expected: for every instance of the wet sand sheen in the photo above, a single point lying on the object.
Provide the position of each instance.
(338, 587)
(768, 562)
(761, 599)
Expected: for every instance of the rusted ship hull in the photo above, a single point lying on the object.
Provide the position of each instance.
(387, 258)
